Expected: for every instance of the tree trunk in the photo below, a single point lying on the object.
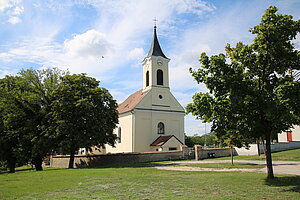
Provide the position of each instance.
(264, 147)
(258, 149)
(269, 157)
(38, 162)
(11, 161)
(231, 153)
(72, 156)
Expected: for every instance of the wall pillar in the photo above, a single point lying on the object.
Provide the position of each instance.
(185, 151)
(198, 152)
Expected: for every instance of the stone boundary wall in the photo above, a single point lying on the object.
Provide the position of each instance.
(276, 147)
(83, 161)
(202, 153)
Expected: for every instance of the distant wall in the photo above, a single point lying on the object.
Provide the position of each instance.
(280, 146)
(202, 153)
(282, 137)
(118, 158)
(252, 150)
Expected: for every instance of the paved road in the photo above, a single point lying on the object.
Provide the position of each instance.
(279, 167)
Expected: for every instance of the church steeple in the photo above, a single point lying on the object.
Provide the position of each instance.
(155, 67)
(155, 49)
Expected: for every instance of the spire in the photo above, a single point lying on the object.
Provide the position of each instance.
(155, 49)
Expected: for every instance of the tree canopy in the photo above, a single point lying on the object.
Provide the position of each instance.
(84, 115)
(42, 111)
(251, 91)
(25, 100)
(206, 139)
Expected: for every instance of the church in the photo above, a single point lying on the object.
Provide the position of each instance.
(150, 119)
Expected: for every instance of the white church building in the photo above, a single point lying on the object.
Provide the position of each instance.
(150, 119)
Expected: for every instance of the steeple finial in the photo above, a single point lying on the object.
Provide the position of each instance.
(155, 20)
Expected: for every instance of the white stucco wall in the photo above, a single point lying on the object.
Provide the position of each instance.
(282, 137)
(171, 143)
(150, 64)
(146, 127)
(125, 122)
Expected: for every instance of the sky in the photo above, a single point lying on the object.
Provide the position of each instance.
(108, 39)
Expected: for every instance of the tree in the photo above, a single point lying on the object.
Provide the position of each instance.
(83, 115)
(253, 95)
(13, 120)
(24, 103)
(40, 87)
(206, 139)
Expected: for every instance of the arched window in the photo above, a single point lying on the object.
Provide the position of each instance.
(160, 128)
(147, 78)
(160, 77)
(119, 134)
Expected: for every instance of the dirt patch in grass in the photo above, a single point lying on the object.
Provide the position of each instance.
(186, 168)
(223, 165)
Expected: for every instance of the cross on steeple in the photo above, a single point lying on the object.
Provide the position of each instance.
(155, 20)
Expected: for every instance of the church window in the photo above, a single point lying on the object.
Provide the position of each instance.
(159, 74)
(160, 96)
(147, 78)
(119, 134)
(160, 128)
(172, 148)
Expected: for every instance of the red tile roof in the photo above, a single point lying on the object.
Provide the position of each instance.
(130, 103)
(161, 140)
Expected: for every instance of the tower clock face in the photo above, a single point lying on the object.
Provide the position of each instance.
(159, 62)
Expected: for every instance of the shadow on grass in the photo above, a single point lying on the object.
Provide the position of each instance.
(29, 169)
(292, 181)
(132, 165)
(16, 170)
(85, 166)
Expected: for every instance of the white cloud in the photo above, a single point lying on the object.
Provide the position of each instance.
(118, 36)
(14, 20)
(18, 10)
(12, 9)
(193, 6)
(136, 54)
(89, 44)
(5, 4)
(89, 52)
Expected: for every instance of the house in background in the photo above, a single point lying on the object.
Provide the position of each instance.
(291, 135)
(151, 119)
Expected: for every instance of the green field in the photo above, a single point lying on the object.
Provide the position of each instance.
(144, 182)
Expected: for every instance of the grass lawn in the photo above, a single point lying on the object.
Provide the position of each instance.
(144, 182)
(224, 165)
(291, 155)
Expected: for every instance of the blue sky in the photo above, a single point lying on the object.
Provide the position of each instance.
(75, 34)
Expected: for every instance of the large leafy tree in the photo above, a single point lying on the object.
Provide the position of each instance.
(41, 85)
(253, 94)
(14, 113)
(24, 105)
(83, 114)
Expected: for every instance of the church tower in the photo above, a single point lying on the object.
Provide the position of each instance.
(151, 119)
(155, 67)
